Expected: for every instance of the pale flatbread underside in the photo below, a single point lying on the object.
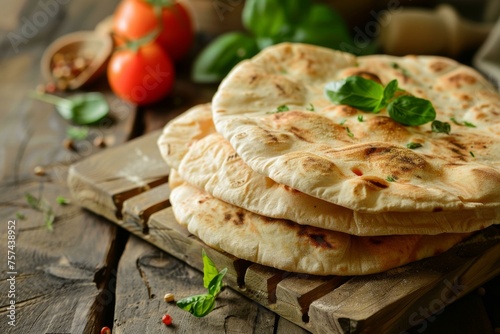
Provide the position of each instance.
(292, 247)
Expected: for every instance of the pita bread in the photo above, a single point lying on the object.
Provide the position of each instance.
(288, 246)
(211, 163)
(180, 133)
(311, 151)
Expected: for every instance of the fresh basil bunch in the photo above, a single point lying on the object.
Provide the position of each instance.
(270, 22)
(370, 96)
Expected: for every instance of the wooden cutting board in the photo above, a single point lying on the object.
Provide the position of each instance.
(128, 186)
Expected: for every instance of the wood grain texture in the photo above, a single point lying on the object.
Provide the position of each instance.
(386, 301)
(62, 284)
(146, 274)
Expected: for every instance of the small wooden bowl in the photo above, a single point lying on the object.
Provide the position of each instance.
(100, 46)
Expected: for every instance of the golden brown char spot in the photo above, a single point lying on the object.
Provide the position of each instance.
(395, 160)
(237, 219)
(232, 157)
(461, 78)
(386, 128)
(438, 66)
(367, 75)
(290, 189)
(299, 133)
(317, 164)
(375, 182)
(280, 88)
(317, 238)
(271, 138)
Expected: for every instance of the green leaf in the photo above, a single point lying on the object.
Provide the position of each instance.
(441, 127)
(410, 110)
(209, 269)
(356, 92)
(32, 201)
(215, 285)
(199, 305)
(390, 179)
(412, 145)
(62, 201)
(85, 108)
(20, 215)
(468, 124)
(349, 133)
(49, 217)
(271, 18)
(77, 133)
(389, 92)
(360, 118)
(472, 154)
(219, 57)
(323, 26)
(81, 109)
(310, 107)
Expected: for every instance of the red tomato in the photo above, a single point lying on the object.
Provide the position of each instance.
(143, 76)
(134, 19)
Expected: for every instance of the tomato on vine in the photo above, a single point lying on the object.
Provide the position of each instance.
(141, 72)
(135, 19)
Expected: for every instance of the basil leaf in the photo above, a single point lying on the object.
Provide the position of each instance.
(390, 90)
(356, 92)
(218, 58)
(282, 108)
(410, 110)
(84, 108)
(199, 305)
(441, 127)
(77, 133)
(412, 145)
(216, 284)
(264, 17)
(390, 179)
(209, 269)
(312, 29)
(81, 109)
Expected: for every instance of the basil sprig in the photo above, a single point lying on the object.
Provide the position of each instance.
(370, 96)
(203, 304)
(271, 22)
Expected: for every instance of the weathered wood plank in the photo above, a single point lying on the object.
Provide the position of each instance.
(102, 185)
(146, 274)
(392, 300)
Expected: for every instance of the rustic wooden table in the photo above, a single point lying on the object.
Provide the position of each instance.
(87, 273)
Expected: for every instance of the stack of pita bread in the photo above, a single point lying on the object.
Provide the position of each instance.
(291, 188)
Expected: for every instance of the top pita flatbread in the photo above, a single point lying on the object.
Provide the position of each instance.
(313, 153)
(190, 145)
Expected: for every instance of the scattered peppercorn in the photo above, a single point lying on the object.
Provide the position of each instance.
(169, 297)
(69, 144)
(105, 330)
(39, 171)
(66, 67)
(167, 319)
(99, 141)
